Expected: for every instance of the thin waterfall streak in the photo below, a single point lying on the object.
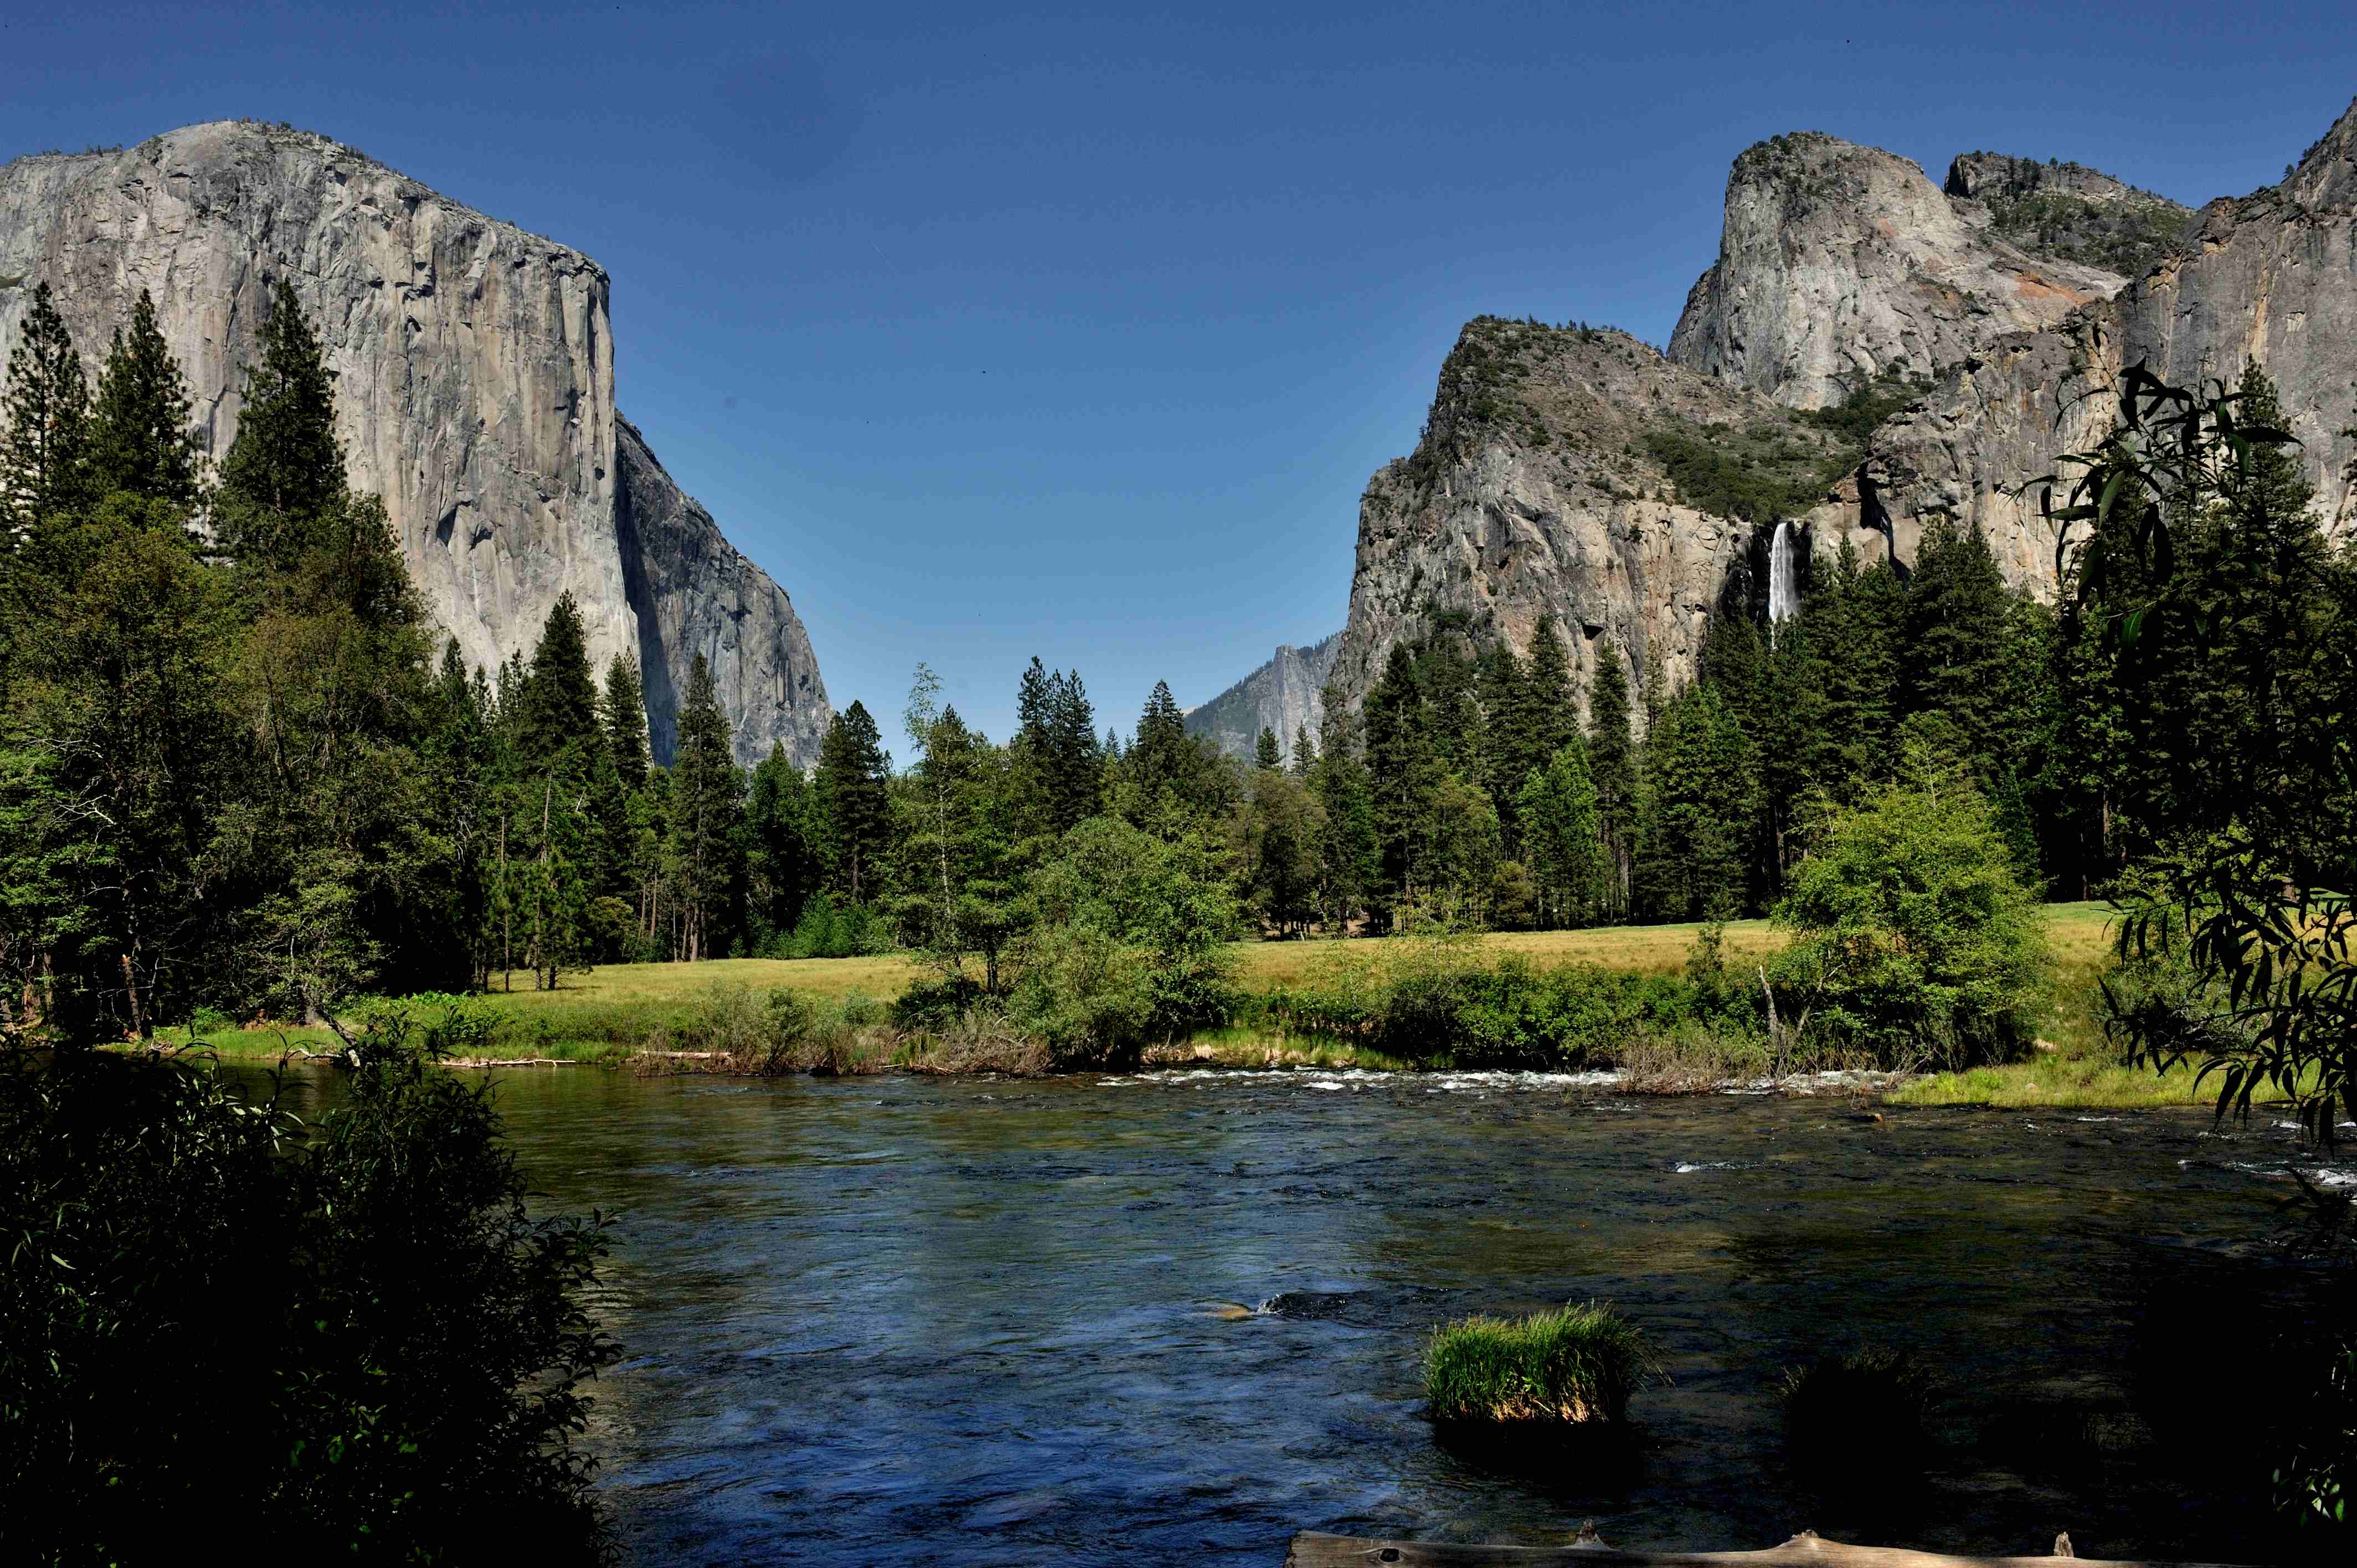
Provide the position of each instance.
(1783, 573)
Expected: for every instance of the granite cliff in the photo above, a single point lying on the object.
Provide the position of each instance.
(1574, 472)
(2269, 278)
(475, 392)
(1285, 695)
(1838, 264)
(1859, 323)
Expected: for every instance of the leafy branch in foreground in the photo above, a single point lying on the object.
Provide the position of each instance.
(2231, 627)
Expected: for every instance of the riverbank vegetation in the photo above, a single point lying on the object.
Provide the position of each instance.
(1570, 1366)
(239, 783)
(350, 1336)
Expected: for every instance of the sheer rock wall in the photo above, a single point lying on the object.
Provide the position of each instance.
(475, 392)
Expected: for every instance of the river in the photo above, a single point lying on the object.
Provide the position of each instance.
(898, 1320)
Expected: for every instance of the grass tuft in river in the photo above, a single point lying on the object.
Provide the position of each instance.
(1574, 1365)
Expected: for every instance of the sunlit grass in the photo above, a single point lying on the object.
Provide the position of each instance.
(613, 1010)
(1572, 1365)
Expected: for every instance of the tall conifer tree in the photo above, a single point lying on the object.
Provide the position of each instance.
(706, 806)
(44, 420)
(140, 439)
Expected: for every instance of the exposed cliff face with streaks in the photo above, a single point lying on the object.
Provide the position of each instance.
(2268, 278)
(1582, 475)
(475, 392)
(1285, 695)
(1838, 264)
(1542, 487)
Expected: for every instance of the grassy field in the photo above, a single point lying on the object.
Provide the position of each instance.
(616, 1008)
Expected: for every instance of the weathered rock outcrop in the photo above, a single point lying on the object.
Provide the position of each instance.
(1582, 475)
(475, 392)
(1285, 695)
(1839, 264)
(2068, 211)
(1543, 486)
(2271, 278)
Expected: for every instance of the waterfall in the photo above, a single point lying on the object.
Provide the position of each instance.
(1783, 573)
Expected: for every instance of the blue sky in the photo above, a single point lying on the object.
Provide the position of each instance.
(1077, 330)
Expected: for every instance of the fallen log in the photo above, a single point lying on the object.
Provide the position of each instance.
(1806, 1549)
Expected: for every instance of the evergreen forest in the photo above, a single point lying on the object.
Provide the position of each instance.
(241, 776)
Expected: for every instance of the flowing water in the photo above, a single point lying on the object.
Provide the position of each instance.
(1784, 572)
(904, 1320)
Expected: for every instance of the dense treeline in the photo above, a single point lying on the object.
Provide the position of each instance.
(238, 773)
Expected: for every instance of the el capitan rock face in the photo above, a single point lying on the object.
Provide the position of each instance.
(474, 393)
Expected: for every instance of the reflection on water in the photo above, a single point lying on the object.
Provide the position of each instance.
(902, 1320)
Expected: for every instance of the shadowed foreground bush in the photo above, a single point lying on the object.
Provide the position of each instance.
(1863, 1411)
(346, 1340)
(1575, 1364)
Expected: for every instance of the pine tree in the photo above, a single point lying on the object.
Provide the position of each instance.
(623, 715)
(1858, 630)
(1265, 755)
(557, 721)
(1696, 801)
(1612, 763)
(1403, 771)
(1160, 760)
(1551, 713)
(287, 460)
(1561, 835)
(44, 421)
(853, 804)
(1952, 644)
(140, 441)
(706, 807)
(1073, 743)
(783, 864)
(1305, 751)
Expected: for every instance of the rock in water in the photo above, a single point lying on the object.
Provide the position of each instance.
(474, 392)
(1285, 695)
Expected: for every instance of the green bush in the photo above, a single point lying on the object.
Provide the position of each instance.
(1442, 1001)
(1573, 1365)
(830, 929)
(353, 1343)
(1914, 941)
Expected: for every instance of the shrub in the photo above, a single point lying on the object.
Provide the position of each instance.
(422, 1339)
(1442, 1000)
(1575, 1364)
(1914, 938)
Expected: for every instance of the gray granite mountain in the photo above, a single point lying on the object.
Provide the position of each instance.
(1838, 264)
(1630, 493)
(1567, 471)
(2270, 277)
(475, 392)
(1285, 695)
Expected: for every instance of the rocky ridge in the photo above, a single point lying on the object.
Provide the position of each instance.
(475, 392)
(1582, 474)
(1285, 695)
(1838, 264)
(1576, 472)
(2268, 278)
